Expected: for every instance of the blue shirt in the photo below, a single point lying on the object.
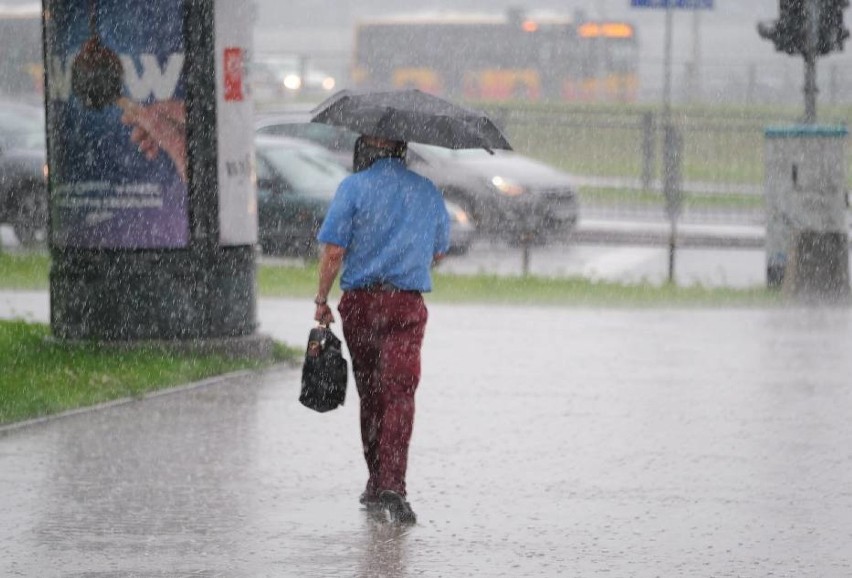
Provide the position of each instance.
(392, 222)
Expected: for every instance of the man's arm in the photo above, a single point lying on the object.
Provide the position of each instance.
(329, 266)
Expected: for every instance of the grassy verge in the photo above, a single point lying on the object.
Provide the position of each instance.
(24, 270)
(584, 292)
(300, 281)
(41, 377)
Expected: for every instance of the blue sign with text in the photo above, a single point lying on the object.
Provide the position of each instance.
(676, 4)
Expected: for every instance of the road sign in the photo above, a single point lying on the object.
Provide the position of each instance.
(676, 4)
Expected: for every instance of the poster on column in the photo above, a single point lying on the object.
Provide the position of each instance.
(116, 124)
(234, 124)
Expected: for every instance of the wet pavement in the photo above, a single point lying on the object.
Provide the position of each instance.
(548, 441)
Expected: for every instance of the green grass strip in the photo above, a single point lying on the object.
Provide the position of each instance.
(300, 281)
(576, 291)
(24, 270)
(42, 377)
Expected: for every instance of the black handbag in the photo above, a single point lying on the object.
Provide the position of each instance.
(324, 373)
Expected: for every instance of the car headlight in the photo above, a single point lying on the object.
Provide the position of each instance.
(459, 216)
(293, 82)
(328, 83)
(507, 187)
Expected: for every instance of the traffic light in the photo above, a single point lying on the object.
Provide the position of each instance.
(831, 32)
(789, 32)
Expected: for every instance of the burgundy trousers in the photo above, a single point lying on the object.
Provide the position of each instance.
(384, 332)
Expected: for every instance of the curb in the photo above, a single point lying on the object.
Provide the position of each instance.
(660, 238)
(698, 235)
(208, 382)
(256, 346)
(696, 187)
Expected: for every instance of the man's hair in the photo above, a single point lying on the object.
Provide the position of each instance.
(366, 154)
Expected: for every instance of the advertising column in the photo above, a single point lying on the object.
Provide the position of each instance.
(133, 204)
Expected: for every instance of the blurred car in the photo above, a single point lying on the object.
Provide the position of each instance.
(462, 231)
(288, 75)
(505, 194)
(296, 181)
(295, 122)
(23, 170)
(340, 144)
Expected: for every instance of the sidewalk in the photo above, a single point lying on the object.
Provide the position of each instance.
(659, 233)
(548, 442)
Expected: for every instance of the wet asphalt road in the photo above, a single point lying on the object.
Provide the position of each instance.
(548, 442)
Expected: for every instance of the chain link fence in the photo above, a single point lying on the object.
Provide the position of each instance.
(616, 154)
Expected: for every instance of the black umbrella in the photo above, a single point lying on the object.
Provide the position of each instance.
(411, 116)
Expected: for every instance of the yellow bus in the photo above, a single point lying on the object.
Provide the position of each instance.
(610, 61)
(21, 61)
(498, 57)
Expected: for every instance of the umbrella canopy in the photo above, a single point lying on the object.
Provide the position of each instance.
(411, 116)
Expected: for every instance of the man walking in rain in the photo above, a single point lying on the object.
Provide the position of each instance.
(386, 227)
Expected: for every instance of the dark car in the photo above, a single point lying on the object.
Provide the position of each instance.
(23, 171)
(296, 181)
(505, 194)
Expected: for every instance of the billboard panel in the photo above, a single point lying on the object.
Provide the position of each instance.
(117, 124)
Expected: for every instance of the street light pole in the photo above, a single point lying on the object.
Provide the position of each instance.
(667, 128)
(695, 76)
(811, 34)
(667, 67)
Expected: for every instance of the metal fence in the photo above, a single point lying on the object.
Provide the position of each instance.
(616, 154)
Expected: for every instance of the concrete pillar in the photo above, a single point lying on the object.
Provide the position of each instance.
(807, 232)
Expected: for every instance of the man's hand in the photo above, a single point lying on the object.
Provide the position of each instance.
(324, 315)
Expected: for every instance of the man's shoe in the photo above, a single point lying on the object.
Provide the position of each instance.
(400, 511)
(370, 501)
